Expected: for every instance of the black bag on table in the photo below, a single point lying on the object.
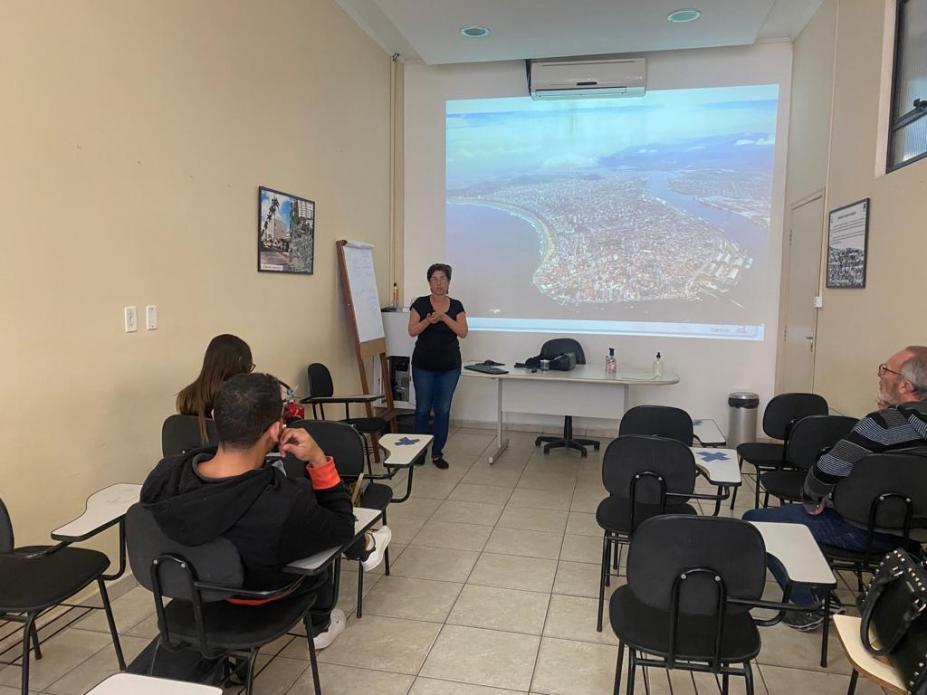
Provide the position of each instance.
(893, 612)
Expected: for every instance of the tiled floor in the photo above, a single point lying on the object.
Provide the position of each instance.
(495, 573)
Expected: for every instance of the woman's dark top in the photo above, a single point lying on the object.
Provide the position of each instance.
(437, 348)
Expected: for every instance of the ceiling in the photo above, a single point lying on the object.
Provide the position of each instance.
(429, 30)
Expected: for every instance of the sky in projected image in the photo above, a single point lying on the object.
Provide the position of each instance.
(647, 215)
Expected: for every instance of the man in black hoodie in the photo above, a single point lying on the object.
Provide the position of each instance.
(272, 520)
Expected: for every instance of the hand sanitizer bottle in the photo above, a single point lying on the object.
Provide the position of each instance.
(658, 367)
(611, 364)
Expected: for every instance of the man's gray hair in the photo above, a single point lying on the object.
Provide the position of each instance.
(914, 369)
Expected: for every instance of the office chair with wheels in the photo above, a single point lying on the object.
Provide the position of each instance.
(691, 584)
(885, 494)
(321, 392)
(36, 578)
(660, 420)
(809, 439)
(554, 348)
(346, 446)
(181, 433)
(199, 580)
(781, 413)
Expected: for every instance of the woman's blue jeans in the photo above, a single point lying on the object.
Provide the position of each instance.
(433, 393)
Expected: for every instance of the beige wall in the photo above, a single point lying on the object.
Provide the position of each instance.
(134, 137)
(858, 329)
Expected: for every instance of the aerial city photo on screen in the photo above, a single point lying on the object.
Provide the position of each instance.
(655, 209)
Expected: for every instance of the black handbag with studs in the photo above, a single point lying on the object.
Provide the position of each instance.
(893, 619)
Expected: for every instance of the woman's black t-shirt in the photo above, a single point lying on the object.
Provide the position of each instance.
(436, 348)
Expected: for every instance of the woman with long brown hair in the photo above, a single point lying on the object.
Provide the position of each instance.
(226, 355)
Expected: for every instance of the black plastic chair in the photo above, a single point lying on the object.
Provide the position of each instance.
(346, 446)
(321, 392)
(554, 348)
(645, 477)
(181, 433)
(809, 439)
(781, 413)
(199, 580)
(660, 420)
(36, 578)
(885, 494)
(691, 584)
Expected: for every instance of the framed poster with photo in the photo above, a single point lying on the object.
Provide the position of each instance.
(286, 232)
(847, 242)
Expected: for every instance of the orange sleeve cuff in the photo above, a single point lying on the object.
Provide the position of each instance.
(325, 476)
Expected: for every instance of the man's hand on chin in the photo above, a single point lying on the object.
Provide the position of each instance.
(297, 441)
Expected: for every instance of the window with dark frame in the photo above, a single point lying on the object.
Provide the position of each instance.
(907, 137)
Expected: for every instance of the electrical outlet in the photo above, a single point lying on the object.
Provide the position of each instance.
(819, 302)
(151, 317)
(131, 319)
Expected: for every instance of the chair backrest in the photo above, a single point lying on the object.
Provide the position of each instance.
(216, 562)
(628, 456)
(786, 407)
(660, 420)
(666, 547)
(181, 433)
(320, 380)
(898, 476)
(560, 346)
(811, 435)
(6, 530)
(340, 441)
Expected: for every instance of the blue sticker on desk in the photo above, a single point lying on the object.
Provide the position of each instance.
(696, 423)
(713, 456)
(405, 441)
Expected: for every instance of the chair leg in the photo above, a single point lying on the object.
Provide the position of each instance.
(112, 624)
(35, 643)
(740, 467)
(618, 667)
(853, 678)
(616, 556)
(725, 684)
(756, 490)
(313, 657)
(632, 667)
(360, 590)
(766, 500)
(603, 579)
(27, 628)
(249, 679)
(386, 552)
(748, 678)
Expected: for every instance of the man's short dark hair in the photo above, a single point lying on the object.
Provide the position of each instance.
(246, 405)
(435, 267)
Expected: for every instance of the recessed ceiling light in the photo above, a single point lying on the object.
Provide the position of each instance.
(683, 16)
(474, 31)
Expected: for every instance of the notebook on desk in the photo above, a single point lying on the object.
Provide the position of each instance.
(486, 369)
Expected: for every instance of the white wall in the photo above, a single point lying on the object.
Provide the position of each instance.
(708, 369)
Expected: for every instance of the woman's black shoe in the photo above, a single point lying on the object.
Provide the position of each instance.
(440, 463)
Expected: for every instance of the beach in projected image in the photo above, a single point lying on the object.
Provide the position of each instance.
(635, 216)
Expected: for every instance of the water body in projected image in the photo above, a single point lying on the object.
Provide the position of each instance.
(654, 209)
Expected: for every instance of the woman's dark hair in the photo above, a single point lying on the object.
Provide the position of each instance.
(246, 405)
(443, 267)
(226, 356)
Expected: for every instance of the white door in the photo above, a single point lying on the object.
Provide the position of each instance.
(804, 254)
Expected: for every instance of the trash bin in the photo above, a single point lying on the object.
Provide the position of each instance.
(742, 423)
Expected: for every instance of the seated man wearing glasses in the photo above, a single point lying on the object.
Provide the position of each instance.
(902, 380)
(271, 519)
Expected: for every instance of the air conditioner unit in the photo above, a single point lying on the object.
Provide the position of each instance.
(573, 78)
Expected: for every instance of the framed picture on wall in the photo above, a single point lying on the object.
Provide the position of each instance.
(847, 241)
(286, 232)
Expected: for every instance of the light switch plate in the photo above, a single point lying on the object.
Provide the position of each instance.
(151, 317)
(131, 319)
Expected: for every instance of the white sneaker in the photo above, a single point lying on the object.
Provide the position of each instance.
(381, 539)
(335, 628)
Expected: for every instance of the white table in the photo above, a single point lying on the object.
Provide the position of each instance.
(718, 465)
(103, 509)
(795, 548)
(134, 684)
(878, 671)
(364, 518)
(708, 432)
(404, 451)
(564, 393)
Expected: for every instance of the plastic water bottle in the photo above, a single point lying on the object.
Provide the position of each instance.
(611, 364)
(658, 367)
